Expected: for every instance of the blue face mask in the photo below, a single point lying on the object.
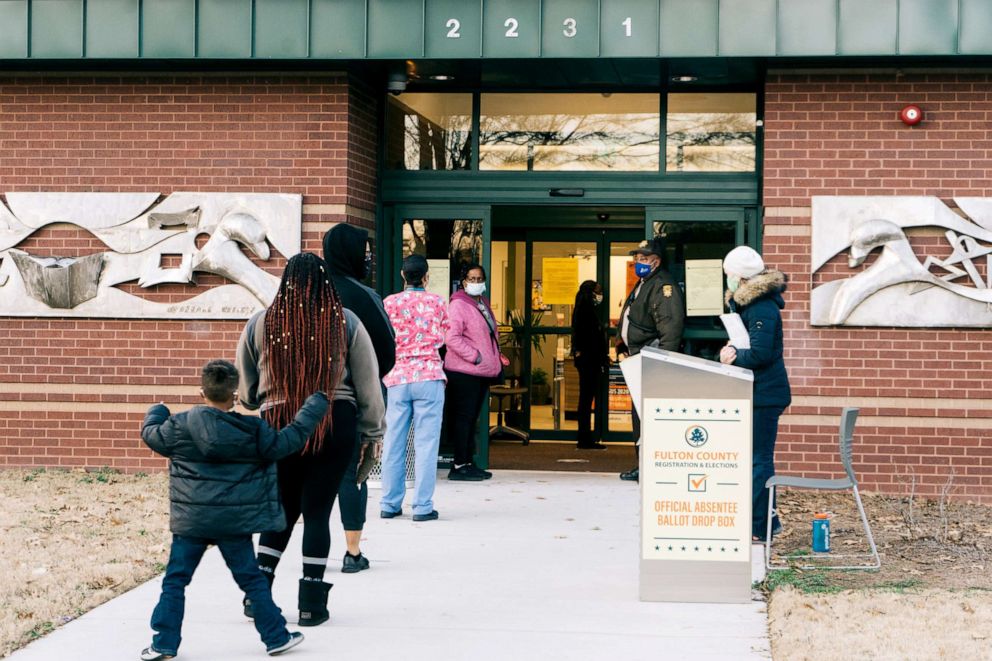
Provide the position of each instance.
(642, 270)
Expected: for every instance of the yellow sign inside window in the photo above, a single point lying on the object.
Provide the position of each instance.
(560, 277)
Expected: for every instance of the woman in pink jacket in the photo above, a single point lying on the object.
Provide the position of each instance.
(472, 361)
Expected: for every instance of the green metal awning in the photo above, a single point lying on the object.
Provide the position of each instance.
(479, 29)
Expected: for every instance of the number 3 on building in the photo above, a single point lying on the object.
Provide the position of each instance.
(569, 28)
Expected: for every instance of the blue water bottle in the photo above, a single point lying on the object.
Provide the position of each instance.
(821, 532)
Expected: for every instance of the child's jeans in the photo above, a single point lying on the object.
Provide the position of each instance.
(239, 554)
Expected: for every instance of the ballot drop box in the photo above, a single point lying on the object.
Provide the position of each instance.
(695, 479)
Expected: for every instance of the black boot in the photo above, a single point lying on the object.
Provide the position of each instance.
(313, 602)
(249, 611)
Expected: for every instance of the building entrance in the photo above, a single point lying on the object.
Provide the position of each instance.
(536, 257)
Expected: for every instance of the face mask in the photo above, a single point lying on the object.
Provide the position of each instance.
(368, 266)
(475, 288)
(733, 282)
(642, 270)
(597, 299)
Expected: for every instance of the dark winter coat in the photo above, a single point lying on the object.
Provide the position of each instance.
(657, 313)
(344, 252)
(759, 302)
(222, 473)
(589, 346)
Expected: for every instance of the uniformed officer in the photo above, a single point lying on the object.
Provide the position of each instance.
(653, 315)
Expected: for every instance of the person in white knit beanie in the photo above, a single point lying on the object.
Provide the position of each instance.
(755, 292)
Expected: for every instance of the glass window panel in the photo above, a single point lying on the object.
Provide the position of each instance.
(622, 278)
(507, 285)
(711, 133)
(619, 418)
(429, 131)
(449, 241)
(578, 132)
(552, 377)
(685, 240)
(557, 270)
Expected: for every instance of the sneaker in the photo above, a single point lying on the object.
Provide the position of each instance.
(295, 639)
(465, 474)
(430, 516)
(478, 471)
(633, 475)
(152, 654)
(383, 514)
(353, 564)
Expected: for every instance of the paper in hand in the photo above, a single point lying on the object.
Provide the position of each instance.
(736, 330)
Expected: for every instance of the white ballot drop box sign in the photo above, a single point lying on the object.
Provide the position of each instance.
(695, 478)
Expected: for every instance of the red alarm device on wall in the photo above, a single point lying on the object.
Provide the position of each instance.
(911, 115)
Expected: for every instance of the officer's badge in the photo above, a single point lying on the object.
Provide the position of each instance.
(666, 291)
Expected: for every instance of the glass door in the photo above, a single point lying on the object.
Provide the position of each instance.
(535, 277)
(696, 241)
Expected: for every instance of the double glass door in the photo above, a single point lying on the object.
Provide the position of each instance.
(535, 276)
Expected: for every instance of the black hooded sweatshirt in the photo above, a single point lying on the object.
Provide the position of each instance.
(344, 252)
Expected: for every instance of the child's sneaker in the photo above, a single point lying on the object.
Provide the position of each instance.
(152, 654)
(295, 639)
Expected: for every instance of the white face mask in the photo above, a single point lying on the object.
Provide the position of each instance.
(475, 288)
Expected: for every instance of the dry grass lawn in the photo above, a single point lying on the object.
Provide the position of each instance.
(71, 540)
(932, 598)
(928, 624)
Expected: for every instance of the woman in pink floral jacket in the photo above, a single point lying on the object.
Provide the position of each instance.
(416, 393)
(472, 361)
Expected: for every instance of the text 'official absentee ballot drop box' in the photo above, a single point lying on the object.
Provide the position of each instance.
(695, 478)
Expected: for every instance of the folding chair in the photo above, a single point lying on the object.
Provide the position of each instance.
(847, 419)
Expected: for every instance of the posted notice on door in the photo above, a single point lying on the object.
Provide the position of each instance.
(696, 479)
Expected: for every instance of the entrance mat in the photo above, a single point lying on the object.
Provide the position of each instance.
(552, 456)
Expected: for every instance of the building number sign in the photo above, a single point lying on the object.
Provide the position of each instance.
(570, 27)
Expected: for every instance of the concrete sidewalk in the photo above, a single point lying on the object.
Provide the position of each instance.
(524, 566)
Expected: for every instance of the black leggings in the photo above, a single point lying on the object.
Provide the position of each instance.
(462, 404)
(589, 381)
(353, 498)
(309, 483)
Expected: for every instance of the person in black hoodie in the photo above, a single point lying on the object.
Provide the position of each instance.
(592, 358)
(222, 488)
(755, 293)
(349, 257)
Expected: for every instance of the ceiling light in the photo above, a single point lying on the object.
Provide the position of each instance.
(684, 79)
(441, 76)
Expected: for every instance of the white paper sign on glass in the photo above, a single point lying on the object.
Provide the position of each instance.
(695, 479)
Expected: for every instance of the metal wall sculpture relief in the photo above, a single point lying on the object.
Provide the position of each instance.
(142, 235)
(950, 285)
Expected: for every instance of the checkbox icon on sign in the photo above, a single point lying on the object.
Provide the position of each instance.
(697, 482)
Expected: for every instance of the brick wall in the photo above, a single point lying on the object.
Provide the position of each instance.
(925, 395)
(73, 391)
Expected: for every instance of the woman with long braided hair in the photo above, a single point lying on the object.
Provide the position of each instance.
(306, 341)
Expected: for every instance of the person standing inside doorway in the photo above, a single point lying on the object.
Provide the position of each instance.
(590, 352)
(416, 393)
(349, 258)
(755, 293)
(653, 315)
(472, 362)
